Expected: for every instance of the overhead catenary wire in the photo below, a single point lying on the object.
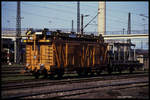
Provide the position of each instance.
(41, 14)
(143, 15)
(70, 11)
(53, 9)
(117, 10)
(119, 19)
(38, 15)
(91, 8)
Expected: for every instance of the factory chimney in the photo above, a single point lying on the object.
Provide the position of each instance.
(102, 17)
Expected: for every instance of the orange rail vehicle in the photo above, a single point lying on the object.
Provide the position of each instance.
(54, 53)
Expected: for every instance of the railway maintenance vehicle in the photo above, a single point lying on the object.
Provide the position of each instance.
(52, 53)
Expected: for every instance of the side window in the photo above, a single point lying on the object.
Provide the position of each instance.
(32, 47)
(38, 46)
(101, 58)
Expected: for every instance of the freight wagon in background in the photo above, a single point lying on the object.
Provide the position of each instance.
(55, 53)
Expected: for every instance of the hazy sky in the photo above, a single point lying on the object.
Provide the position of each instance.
(60, 14)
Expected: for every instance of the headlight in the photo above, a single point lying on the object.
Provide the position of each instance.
(42, 66)
(27, 64)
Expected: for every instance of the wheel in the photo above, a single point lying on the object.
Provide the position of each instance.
(99, 72)
(85, 72)
(91, 74)
(131, 69)
(60, 73)
(79, 72)
(109, 71)
(120, 70)
(51, 76)
(45, 73)
(36, 74)
(110, 68)
(59, 76)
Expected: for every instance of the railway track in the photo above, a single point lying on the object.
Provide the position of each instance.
(75, 87)
(66, 77)
(15, 75)
(11, 68)
(12, 71)
(80, 91)
(46, 82)
(41, 82)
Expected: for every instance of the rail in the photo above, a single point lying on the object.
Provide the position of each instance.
(106, 83)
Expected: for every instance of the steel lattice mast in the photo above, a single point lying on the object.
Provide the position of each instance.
(129, 32)
(78, 17)
(18, 34)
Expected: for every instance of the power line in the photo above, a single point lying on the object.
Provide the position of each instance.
(38, 14)
(116, 20)
(53, 9)
(119, 11)
(65, 5)
(92, 7)
(131, 13)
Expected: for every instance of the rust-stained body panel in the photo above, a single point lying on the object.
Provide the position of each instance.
(65, 53)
